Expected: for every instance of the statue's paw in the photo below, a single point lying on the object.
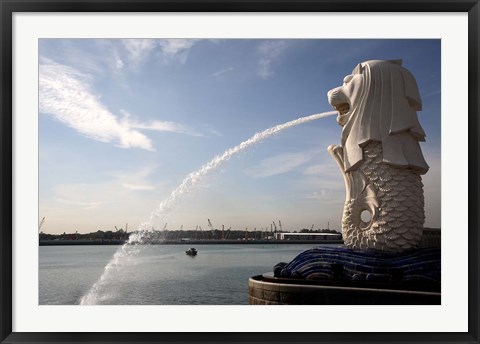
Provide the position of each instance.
(331, 148)
(337, 153)
(335, 150)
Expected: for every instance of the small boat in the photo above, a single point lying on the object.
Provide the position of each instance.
(191, 252)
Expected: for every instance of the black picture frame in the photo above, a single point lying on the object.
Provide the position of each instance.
(9, 7)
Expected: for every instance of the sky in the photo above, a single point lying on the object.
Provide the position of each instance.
(122, 122)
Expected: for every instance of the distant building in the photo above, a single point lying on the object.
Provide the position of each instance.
(308, 236)
(431, 237)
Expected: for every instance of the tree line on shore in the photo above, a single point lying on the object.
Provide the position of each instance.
(215, 234)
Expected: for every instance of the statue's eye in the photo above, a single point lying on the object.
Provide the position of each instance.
(347, 79)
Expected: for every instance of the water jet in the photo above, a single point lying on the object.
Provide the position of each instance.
(142, 236)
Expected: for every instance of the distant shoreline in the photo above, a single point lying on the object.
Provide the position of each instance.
(189, 242)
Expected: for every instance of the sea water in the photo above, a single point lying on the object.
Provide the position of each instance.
(159, 274)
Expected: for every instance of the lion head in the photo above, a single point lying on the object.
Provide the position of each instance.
(379, 102)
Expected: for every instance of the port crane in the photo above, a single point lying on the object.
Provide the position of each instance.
(275, 226)
(211, 228)
(311, 228)
(280, 226)
(121, 229)
(41, 224)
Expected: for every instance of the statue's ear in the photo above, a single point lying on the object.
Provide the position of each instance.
(397, 62)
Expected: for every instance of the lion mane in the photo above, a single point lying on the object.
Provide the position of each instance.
(385, 112)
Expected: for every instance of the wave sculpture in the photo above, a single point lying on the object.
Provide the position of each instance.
(412, 269)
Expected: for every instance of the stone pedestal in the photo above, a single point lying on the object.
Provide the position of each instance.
(268, 290)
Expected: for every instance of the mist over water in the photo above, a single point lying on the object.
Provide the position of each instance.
(102, 290)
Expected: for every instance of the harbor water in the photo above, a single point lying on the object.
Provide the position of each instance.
(158, 274)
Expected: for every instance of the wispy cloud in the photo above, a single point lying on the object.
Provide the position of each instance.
(138, 179)
(279, 164)
(66, 94)
(323, 170)
(111, 56)
(118, 61)
(171, 50)
(138, 49)
(269, 52)
(156, 125)
(209, 129)
(122, 185)
(138, 187)
(322, 181)
(176, 49)
(323, 195)
(84, 205)
(221, 73)
(160, 126)
(432, 93)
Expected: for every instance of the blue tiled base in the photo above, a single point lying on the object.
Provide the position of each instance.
(416, 269)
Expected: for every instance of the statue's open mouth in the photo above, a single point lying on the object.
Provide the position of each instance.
(342, 108)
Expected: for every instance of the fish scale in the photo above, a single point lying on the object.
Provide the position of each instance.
(400, 213)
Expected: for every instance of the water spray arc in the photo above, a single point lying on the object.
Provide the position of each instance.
(98, 290)
(195, 177)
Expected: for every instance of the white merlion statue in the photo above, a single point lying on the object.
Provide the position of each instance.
(380, 156)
